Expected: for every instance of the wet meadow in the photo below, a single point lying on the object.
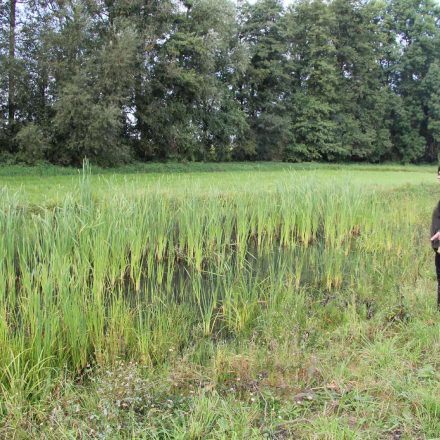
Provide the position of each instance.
(261, 301)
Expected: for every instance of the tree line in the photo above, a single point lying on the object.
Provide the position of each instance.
(217, 80)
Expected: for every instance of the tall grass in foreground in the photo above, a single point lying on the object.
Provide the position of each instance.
(137, 277)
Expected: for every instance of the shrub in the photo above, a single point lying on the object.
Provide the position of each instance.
(32, 144)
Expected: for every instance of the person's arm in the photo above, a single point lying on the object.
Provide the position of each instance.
(435, 224)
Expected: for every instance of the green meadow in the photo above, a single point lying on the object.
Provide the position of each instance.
(50, 184)
(218, 301)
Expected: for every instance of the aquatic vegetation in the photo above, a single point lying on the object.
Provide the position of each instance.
(135, 275)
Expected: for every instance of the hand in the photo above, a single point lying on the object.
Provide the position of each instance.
(436, 236)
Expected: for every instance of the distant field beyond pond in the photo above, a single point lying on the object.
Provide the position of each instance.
(50, 184)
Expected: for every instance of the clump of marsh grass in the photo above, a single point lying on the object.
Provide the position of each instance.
(132, 276)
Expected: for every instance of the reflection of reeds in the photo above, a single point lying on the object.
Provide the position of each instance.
(130, 276)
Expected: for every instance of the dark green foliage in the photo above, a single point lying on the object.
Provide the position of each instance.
(416, 27)
(265, 85)
(431, 105)
(188, 110)
(217, 80)
(362, 91)
(32, 144)
(87, 128)
(313, 105)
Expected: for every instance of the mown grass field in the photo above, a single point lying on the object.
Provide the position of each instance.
(240, 301)
(50, 184)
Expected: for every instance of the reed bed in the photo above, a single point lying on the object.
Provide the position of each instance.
(137, 276)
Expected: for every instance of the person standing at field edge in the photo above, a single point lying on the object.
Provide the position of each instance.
(435, 241)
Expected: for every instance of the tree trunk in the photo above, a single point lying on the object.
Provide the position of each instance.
(11, 80)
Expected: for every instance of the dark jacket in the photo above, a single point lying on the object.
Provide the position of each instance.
(435, 225)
